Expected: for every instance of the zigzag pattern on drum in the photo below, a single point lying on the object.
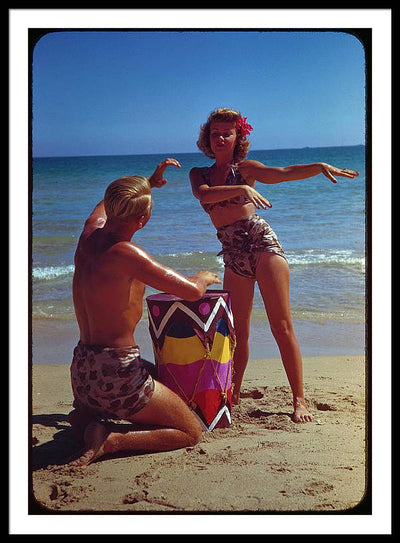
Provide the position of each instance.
(158, 330)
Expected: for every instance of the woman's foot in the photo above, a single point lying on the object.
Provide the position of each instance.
(236, 399)
(301, 413)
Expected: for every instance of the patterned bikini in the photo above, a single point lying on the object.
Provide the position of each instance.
(244, 240)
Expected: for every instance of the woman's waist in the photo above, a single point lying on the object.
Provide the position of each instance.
(231, 214)
(245, 234)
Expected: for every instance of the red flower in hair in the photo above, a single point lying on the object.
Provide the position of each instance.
(243, 128)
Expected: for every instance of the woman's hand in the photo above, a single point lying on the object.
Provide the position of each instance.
(256, 198)
(330, 171)
(157, 180)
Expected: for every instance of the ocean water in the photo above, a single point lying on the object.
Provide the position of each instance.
(321, 226)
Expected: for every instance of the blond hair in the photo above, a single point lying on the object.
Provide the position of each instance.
(128, 198)
(227, 115)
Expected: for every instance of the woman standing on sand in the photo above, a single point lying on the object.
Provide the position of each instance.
(250, 248)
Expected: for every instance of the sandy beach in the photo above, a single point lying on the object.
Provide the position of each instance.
(262, 463)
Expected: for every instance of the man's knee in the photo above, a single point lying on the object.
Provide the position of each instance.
(195, 436)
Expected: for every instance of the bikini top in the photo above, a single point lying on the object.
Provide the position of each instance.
(234, 178)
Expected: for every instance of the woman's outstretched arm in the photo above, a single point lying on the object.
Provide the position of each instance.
(253, 170)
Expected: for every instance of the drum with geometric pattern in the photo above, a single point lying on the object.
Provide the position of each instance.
(193, 344)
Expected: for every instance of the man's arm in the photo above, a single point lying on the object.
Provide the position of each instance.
(97, 219)
(143, 267)
(156, 179)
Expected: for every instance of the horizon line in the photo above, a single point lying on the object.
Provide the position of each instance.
(195, 152)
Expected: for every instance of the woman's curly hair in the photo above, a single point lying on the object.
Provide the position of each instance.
(227, 115)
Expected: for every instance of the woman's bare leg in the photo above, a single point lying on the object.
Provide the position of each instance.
(241, 291)
(177, 427)
(273, 280)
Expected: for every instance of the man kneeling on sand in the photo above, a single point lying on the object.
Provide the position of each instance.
(109, 378)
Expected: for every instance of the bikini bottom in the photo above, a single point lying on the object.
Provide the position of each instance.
(243, 241)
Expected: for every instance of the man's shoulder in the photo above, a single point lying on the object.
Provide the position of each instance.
(127, 249)
(127, 257)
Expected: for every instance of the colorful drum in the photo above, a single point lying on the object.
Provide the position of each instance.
(193, 344)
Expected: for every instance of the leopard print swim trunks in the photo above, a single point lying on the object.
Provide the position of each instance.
(111, 383)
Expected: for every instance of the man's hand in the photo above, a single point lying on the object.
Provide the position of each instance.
(157, 180)
(209, 278)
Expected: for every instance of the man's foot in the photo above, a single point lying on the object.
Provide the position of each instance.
(79, 420)
(95, 436)
(301, 413)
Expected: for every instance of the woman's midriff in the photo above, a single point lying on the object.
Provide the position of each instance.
(230, 214)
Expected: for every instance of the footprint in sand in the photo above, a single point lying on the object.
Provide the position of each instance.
(324, 406)
(254, 393)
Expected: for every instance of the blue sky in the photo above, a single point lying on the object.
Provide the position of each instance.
(137, 92)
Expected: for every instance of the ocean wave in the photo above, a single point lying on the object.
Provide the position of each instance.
(187, 254)
(191, 261)
(354, 316)
(43, 316)
(330, 257)
(49, 273)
